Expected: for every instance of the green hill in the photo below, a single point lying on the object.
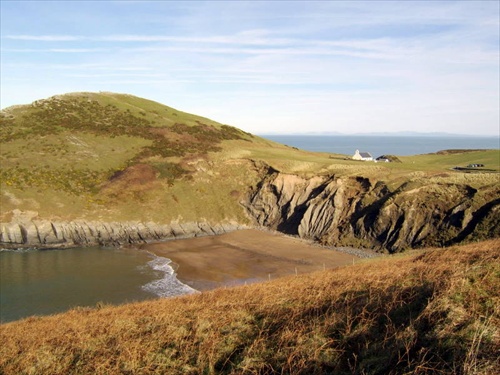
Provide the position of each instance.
(115, 158)
(74, 155)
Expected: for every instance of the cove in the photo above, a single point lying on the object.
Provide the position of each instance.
(43, 282)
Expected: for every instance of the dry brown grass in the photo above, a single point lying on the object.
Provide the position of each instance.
(429, 312)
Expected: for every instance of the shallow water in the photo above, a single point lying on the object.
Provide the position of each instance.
(42, 282)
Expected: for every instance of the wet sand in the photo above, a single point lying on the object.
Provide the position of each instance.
(244, 256)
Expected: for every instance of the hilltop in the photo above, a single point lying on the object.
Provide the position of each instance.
(106, 168)
(432, 311)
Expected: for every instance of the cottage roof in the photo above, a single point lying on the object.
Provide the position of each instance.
(365, 154)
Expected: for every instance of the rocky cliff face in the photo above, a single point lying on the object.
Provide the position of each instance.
(348, 211)
(360, 212)
(26, 231)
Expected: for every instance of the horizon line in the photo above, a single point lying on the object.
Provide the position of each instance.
(388, 133)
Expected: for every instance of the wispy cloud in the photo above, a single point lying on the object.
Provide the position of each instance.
(392, 65)
(250, 37)
(52, 50)
(44, 38)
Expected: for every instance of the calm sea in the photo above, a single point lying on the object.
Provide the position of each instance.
(42, 282)
(378, 145)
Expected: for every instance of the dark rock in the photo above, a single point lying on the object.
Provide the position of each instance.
(355, 212)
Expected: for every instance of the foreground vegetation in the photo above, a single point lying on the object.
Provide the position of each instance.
(435, 311)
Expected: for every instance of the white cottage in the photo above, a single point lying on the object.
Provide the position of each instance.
(366, 156)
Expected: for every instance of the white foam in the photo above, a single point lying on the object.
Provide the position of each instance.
(168, 285)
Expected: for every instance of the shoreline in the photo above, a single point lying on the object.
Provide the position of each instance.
(244, 256)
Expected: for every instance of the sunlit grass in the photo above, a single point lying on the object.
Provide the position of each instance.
(434, 311)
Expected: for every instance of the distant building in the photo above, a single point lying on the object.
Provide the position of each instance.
(383, 158)
(475, 166)
(362, 156)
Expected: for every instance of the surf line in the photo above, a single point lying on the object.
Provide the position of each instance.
(168, 285)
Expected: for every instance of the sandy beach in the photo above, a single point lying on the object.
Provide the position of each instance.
(244, 256)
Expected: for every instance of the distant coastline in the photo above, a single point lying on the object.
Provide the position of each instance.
(377, 145)
(386, 134)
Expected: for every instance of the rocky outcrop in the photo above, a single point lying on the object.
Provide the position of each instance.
(22, 233)
(348, 211)
(360, 212)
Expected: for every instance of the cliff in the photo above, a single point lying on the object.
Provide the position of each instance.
(360, 211)
(26, 231)
(335, 211)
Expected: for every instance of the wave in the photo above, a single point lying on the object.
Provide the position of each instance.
(168, 285)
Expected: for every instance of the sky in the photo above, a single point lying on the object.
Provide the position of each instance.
(268, 67)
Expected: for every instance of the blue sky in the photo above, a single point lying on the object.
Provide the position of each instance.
(268, 67)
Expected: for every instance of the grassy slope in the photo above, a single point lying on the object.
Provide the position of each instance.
(435, 311)
(64, 158)
(57, 162)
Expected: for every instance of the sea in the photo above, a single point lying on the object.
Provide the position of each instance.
(45, 282)
(378, 145)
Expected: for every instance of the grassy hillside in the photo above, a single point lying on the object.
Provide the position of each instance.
(71, 156)
(435, 311)
(116, 157)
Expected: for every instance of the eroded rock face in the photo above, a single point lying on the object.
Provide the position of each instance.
(348, 211)
(50, 234)
(357, 211)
